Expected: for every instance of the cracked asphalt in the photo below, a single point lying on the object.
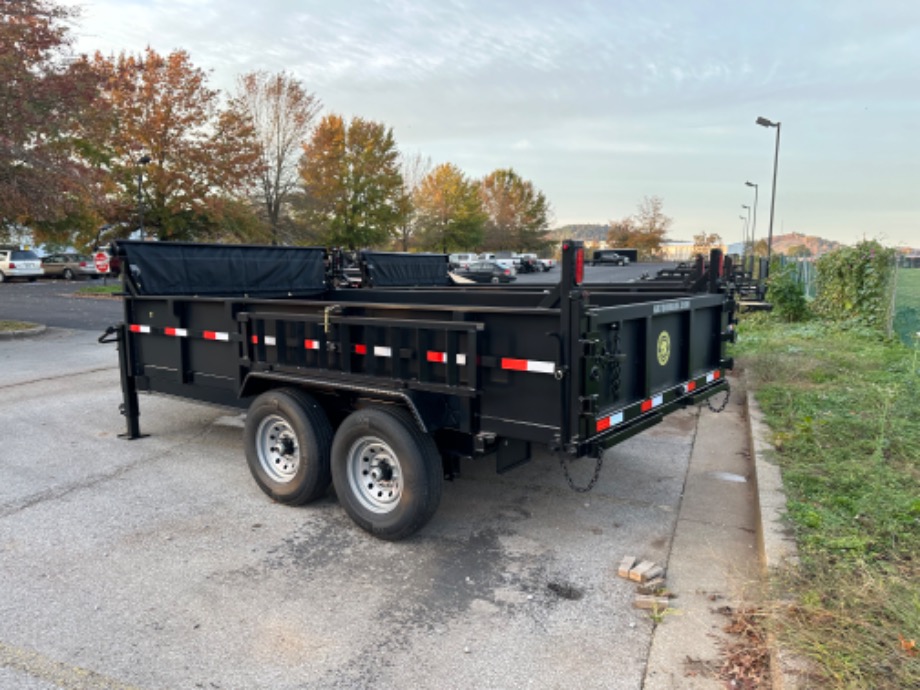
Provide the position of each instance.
(158, 563)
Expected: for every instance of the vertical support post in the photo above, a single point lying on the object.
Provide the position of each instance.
(570, 300)
(715, 269)
(130, 407)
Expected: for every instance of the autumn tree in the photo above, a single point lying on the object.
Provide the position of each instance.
(353, 189)
(645, 230)
(517, 214)
(799, 251)
(172, 145)
(415, 168)
(703, 242)
(449, 210)
(46, 106)
(281, 111)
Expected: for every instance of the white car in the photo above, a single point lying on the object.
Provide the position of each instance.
(462, 261)
(19, 263)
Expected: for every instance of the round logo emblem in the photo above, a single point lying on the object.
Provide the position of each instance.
(664, 347)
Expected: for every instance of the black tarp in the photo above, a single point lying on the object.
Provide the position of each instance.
(223, 270)
(393, 269)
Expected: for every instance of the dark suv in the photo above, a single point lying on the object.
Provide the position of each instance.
(608, 256)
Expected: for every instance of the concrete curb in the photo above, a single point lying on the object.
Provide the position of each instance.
(775, 546)
(36, 329)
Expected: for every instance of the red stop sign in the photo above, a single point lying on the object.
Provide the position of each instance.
(101, 260)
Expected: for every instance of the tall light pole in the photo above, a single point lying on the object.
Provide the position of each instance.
(748, 224)
(754, 222)
(744, 229)
(764, 122)
(142, 161)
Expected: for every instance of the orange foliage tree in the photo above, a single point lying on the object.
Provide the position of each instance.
(353, 190)
(517, 212)
(646, 230)
(171, 148)
(46, 110)
(449, 212)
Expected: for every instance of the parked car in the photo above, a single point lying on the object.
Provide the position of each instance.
(503, 259)
(69, 266)
(19, 263)
(488, 272)
(529, 265)
(606, 256)
(547, 264)
(462, 261)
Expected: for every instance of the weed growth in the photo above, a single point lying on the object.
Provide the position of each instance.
(844, 403)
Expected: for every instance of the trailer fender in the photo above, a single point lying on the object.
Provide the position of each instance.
(254, 384)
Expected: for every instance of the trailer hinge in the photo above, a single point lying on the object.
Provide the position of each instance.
(326, 314)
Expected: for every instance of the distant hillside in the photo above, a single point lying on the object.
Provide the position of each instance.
(817, 245)
(781, 243)
(594, 233)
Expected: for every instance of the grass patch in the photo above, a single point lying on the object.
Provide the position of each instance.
(110, 289)
(844, 404)
(6, 326)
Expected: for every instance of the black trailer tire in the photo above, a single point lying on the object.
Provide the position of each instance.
(288, 438)
(387, 474)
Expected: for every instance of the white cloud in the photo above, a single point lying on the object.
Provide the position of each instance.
(651, 98)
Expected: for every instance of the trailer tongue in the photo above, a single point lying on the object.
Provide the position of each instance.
(381, 390)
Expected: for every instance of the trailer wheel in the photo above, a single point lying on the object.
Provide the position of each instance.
(288, 438)
(386, 472)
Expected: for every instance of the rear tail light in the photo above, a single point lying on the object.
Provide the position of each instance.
(507, 272)
(82, 264)
(12, 265)
(580, 266)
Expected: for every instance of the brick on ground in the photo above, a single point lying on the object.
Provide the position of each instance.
(648, 601)
(625, 566)
(638, 574)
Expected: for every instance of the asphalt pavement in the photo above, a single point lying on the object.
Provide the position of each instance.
(55, 303)
(157, 563)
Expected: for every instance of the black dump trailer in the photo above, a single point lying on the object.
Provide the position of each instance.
(631, 254)
(382, 390)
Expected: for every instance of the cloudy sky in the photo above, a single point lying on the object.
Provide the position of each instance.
(600, 103)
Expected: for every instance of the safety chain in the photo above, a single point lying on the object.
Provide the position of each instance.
(615, 375)
(722, 405)
(571, 482)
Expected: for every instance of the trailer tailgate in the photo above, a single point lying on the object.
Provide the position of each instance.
(641, 361)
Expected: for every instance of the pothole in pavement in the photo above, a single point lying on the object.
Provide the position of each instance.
(564, 590)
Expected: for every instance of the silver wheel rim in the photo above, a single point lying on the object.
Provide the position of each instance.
(278, 449)
(374, 474)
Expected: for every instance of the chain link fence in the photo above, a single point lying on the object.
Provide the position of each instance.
(905, 311)
(805, 273)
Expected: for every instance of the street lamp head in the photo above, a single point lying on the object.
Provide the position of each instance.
(745, 206)
(750, 184)
(764, 122)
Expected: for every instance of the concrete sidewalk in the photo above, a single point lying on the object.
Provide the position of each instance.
(713, 563)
